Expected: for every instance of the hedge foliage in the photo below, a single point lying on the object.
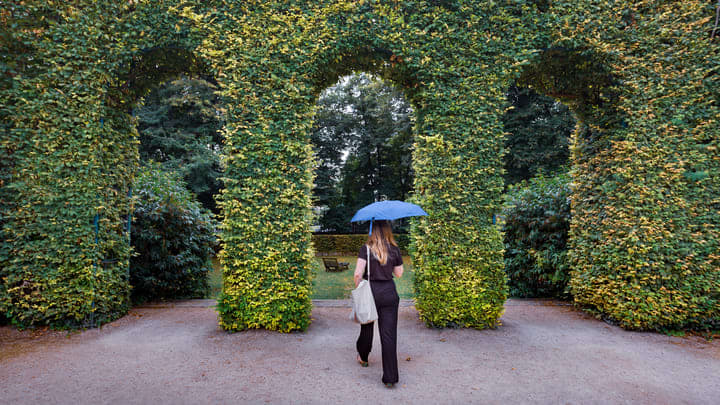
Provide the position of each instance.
(67, 70)
(277, 57)
(172, 237)
(645, 234)
(536, 226)
(641, 76)
(351, 244)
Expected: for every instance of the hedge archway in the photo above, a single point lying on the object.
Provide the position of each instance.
(645, 225)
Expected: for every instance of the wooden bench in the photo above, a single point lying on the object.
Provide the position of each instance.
(331, 264)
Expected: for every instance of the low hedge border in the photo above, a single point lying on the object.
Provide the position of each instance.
(349, 245)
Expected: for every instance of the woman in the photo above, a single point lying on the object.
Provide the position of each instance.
(385, 262)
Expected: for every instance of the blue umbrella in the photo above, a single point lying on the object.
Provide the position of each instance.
(388, 210)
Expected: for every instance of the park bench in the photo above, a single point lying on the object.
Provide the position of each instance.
(331, 264)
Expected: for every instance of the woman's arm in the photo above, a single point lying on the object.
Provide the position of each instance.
(398, 271)
(359, 270)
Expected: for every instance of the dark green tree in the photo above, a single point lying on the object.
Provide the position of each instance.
(540, 129)
(334, 126)
(363, 146)
(179, 125)
(173, 238)
(536, 226)
(537, 215)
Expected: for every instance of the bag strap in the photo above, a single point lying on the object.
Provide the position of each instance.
(368, 262)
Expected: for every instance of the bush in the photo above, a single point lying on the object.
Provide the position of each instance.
(351, 244)
(172, 236)
(537, 221)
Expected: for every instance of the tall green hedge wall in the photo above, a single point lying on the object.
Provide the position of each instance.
(645, 231)
(641, 76)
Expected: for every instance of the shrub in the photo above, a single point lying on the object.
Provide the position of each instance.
(172, 236)
(537, 221)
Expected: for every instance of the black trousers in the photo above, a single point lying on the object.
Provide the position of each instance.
(387, 302)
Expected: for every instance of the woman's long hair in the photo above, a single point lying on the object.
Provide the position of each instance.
(379, 240)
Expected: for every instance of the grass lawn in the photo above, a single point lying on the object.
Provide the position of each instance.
(328, 285)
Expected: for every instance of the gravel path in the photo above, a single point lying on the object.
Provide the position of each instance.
(544, 352)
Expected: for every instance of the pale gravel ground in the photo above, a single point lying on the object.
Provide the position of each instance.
(175, 354)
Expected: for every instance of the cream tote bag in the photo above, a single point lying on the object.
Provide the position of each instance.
(363, 308)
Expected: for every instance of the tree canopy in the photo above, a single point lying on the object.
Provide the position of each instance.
(179, 125)
(539, 130)
(363, 144)
(363, 147)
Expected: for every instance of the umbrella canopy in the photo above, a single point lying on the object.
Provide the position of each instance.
(388, 210)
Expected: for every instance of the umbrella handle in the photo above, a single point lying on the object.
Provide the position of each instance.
(371, 221)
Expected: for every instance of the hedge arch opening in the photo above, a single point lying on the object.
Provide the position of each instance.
(580, 80)
(362, 147)
(175, 120)
(620, 258)
(144, 71)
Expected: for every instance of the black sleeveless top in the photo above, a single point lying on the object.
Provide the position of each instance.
(380, 272)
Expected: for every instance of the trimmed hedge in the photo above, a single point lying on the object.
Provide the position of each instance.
(172, 237)
(537, 222)
(70, 72)
(645, 231)
(287, 55)
(641, 76)
(351, 244)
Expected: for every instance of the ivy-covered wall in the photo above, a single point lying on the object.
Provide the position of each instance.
(641, 76)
